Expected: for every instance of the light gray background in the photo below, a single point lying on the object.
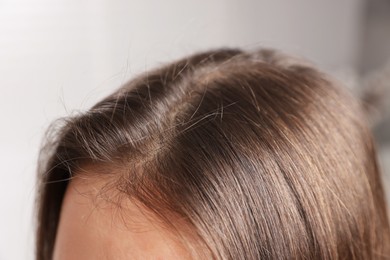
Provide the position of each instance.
(61, 56)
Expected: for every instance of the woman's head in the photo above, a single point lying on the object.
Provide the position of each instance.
(230, 155)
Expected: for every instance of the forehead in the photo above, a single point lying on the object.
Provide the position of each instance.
(93, 225)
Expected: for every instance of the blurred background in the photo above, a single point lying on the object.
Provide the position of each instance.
(58, 57)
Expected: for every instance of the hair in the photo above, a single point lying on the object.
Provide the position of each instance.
(263, 156)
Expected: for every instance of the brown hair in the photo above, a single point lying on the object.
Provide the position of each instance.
(263, 156)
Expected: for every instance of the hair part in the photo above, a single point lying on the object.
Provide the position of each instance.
(263, 157)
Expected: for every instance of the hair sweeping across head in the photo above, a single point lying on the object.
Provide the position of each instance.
(261, 157)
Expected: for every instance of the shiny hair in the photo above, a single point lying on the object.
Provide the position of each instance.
(263, 156)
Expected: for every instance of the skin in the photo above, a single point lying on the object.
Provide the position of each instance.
(92, 227)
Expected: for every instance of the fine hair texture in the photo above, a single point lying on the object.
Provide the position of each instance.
(263, 156)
